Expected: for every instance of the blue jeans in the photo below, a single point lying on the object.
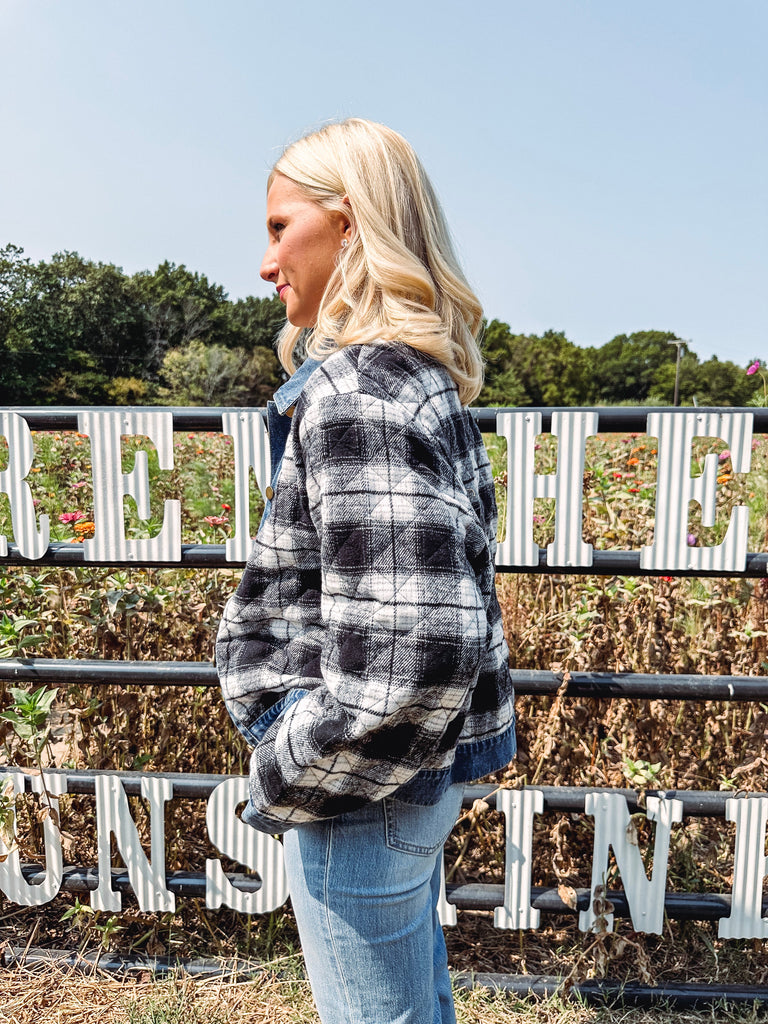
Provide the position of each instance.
(364, 888)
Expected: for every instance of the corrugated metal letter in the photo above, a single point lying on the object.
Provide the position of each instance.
(113, 815)
(446, 912)
(258, 852)
(565, 485)
(110, 484)
(676, 488)
(12, 882)
(251, 448)
(613, 827)
(518, 807)
(32, 542)
(745, 920)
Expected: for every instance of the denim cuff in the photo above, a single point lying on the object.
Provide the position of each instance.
(263, 823)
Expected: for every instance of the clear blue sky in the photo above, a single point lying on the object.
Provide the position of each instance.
(603, 163)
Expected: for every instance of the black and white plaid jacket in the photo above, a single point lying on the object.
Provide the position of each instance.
(362, 654)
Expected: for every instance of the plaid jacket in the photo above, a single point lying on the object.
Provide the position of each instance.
(363, 654)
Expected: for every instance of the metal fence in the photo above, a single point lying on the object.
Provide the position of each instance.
(516, 904)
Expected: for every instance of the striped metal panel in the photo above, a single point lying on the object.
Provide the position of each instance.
(518, 807)
(110, 485)
(746, 918)
(613, 829)
(572, 430)
(32, 541)
(520, 430)
(676, 489)
(251, 449)
(565, 486)
(243, 844)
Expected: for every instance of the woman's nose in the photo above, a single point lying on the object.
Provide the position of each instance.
(268, 271)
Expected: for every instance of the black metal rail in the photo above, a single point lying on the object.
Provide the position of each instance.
(467, 896)
(570, 799)
(532, 682)
(611, 420)
(539, 986)
(212, 556)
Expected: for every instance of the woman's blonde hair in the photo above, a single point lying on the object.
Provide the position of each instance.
(399, 277)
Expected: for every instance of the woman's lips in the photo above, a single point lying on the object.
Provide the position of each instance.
(280, 289)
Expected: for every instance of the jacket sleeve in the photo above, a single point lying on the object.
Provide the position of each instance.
(403, 617)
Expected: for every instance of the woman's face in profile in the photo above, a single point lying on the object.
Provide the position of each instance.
(304, 243)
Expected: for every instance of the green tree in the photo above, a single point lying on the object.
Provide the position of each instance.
(255, 322)
(15, 343)
(502, 386)
(552, 369)
(180, 306)
(662, 390)
(625, 369)
(64, 318)
(200, 374)
(725, 384)
(528, 369)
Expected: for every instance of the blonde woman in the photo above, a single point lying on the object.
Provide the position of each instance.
(362, 655)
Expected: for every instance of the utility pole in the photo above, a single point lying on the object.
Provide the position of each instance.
(678, 342)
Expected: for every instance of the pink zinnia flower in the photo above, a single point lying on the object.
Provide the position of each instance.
(216, 520)
(71, 517)
(753, 368)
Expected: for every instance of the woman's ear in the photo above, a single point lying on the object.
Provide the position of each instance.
(348, 220)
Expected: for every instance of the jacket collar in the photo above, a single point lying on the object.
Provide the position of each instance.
(288, 394)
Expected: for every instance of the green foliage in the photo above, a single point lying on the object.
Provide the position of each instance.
(527, 369)
(128, 391)
(14, 641)
(28, 717)
(77, 332)
(625, 368)
(199, 374)
(65, 318)
(255, 323)
(503, 386)
(641, 773)
(7, 816)
(179, 306)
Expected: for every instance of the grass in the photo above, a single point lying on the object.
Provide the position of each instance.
(54, 994)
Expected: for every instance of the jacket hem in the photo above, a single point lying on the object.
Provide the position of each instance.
(263, 823)
(472, 761)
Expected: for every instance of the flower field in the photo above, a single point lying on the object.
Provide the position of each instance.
(575, 623)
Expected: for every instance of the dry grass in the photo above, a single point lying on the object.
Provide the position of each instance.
(49, 994)
(54, 994)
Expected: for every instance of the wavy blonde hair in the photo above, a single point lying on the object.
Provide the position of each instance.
(399, 278)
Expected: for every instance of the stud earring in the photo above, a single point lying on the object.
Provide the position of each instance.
(344, 243)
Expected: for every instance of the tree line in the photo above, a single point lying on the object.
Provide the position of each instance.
(77, 332)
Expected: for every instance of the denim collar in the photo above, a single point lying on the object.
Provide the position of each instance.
(288, 394)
